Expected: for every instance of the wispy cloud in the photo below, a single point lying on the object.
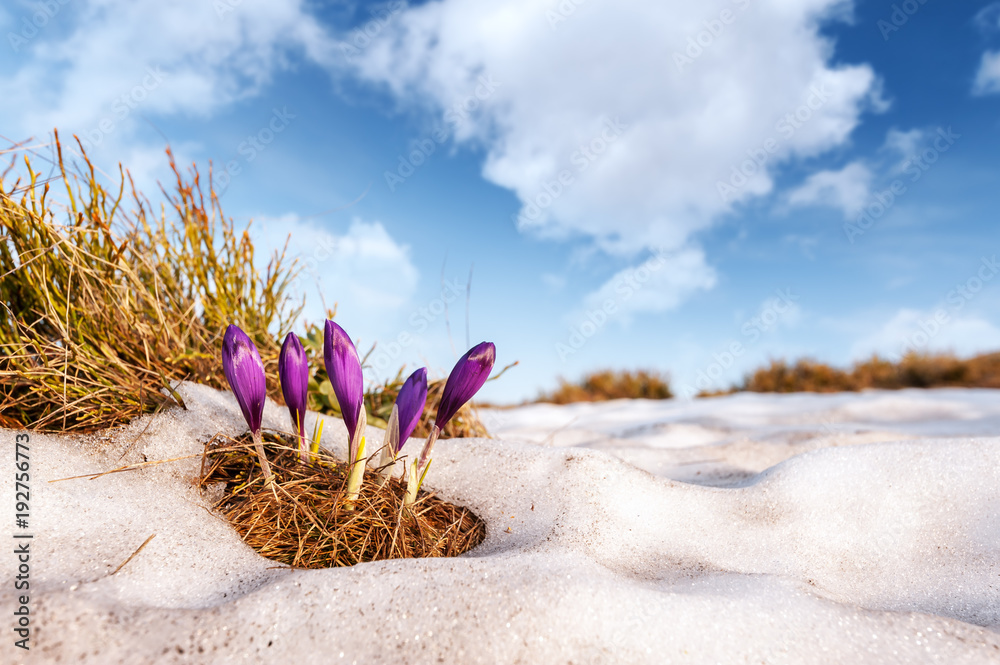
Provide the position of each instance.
(371, 273)
(847, 189)
(988, 76)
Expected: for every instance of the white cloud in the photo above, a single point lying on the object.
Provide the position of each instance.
(938, 330)
(849, 189)
(660, 283)
(611, 80)
(904, 146)
(560, 85)
(783, 310)
(904, 143)
(608, 80)
(203, 59)
(846, 189)
(97, 68)
(988, 77)
(365, 271)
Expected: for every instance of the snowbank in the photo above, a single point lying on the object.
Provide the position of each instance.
(808, 529)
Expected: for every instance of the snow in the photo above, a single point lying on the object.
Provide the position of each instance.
(853, 528)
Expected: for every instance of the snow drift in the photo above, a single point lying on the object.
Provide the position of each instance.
(859, 528)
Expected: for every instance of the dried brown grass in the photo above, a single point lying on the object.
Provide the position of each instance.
(103, 309)
(611, 384)
(105, 303)
(305, 522)
(914, 370)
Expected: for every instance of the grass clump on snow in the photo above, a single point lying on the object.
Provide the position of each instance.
(305, 522)
(105, 301)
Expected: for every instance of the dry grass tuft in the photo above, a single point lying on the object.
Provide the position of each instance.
(103, 309)
(914, 370)
(105, 302)
(306, 524)
(609, 384)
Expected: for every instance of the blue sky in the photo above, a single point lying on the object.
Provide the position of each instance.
(689, 187)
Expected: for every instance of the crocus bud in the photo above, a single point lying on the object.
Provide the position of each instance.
(410, 404)
(465, 380)
(245, 373)
(344, 369)
(293, 369)
(343, 366)
(403, 419)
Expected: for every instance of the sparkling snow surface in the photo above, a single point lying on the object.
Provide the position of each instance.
(848, 528)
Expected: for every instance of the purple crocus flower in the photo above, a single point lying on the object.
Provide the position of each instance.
(403, 420)
(293, 370)
(245, 373)
(343, 366)
(465, 380)
(410, 402)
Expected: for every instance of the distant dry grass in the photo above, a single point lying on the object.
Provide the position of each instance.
(305, 522)
(611, 384)
(913, 371)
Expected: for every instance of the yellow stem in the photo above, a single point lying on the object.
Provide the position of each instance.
(357, 475)
(258, 443)
(317, 434)
(414, 481)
